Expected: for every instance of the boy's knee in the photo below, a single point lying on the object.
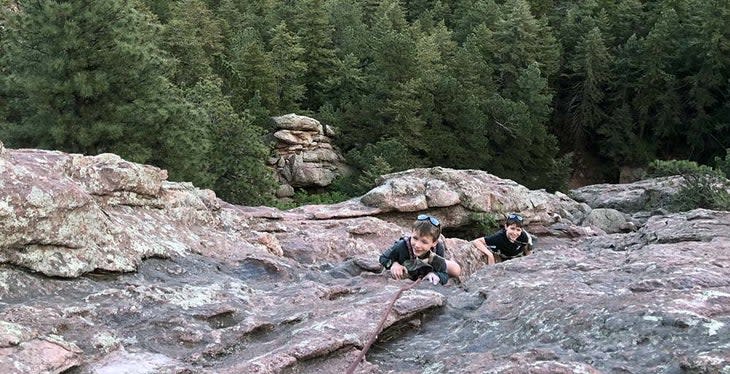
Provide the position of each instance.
(453, 268)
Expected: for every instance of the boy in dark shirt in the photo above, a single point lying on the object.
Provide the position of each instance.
(420, 255)
(510, 242)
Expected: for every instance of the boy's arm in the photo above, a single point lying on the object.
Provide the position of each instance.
(481, 245)
(389, 256)
(528, 240)
(439, 268)
(443, 277)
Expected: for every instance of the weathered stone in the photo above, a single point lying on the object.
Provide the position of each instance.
(122, 361)
(330, 131)
(288, 137)
(39, 356)
(458, 194)
(12, 334)
(609, 220)
(295, 122)
(106, 173)
(321, 155)
(629, 198)
(306, 157)
(311, 174)
(438, 194)
(284, 190)
(197, 285)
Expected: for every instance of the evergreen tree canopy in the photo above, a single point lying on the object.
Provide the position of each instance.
(514, 87)
(66, 88)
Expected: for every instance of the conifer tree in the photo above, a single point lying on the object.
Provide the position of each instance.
(468, 14)
(589, 73)
(521, 40)
(194, 36)
(289, 68)
(370, 9)
(657, 102)
(259, 15)
(88, 77)
(708, 64)
(625, 139)
(465, 108)
(311, 23)
(350, 32)
(238, 155)
(252, 72)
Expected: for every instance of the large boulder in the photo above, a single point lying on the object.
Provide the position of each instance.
(609, 220)
(304, 154)
(460, 196)
(66, 214)
(644, 195)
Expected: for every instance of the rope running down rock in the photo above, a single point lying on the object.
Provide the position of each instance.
(379, 328)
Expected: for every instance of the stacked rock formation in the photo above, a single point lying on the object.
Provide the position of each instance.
(304, 154)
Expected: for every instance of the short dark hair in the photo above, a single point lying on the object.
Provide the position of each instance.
(427, 225)
(514, 218)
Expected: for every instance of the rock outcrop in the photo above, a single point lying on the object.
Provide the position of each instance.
(105, 267)
(304, 154)
(629, 198)
(457, 195)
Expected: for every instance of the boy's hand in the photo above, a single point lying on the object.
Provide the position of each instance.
(433, 278)
(398, 271)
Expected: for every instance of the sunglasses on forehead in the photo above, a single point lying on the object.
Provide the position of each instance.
(425, 217)
(514, 217)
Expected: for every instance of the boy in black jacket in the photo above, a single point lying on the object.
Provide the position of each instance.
(421, 254)
(510, 242)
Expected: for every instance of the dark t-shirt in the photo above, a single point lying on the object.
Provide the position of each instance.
(400, 253)
(499, 243)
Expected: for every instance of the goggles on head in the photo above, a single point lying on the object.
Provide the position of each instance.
(514, 217)
(425, 217)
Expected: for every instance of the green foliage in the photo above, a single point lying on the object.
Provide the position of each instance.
(302, 197)
(252, 75)
(194, 36)
(390, 151)
(723, 164)
(701, 187)
(661, 168)
(237, 157)
(374, 160)
(485, 222)
(312, 25)
(287, 57)
(369, 176)
(702, 190)
(88, 77)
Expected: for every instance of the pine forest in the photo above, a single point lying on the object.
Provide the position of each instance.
(548, 93)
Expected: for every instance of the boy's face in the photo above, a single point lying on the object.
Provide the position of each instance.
(421, 243)
(513, 231)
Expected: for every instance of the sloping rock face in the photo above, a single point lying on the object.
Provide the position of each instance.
(108, 268)
(654, 301)
(629, 198)
(304, 154)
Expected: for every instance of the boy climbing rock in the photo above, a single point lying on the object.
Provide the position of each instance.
(509, 242)
(420, 255)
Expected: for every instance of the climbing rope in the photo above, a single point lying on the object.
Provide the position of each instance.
(379, 328)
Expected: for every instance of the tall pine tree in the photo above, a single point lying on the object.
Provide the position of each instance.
(88, 77)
